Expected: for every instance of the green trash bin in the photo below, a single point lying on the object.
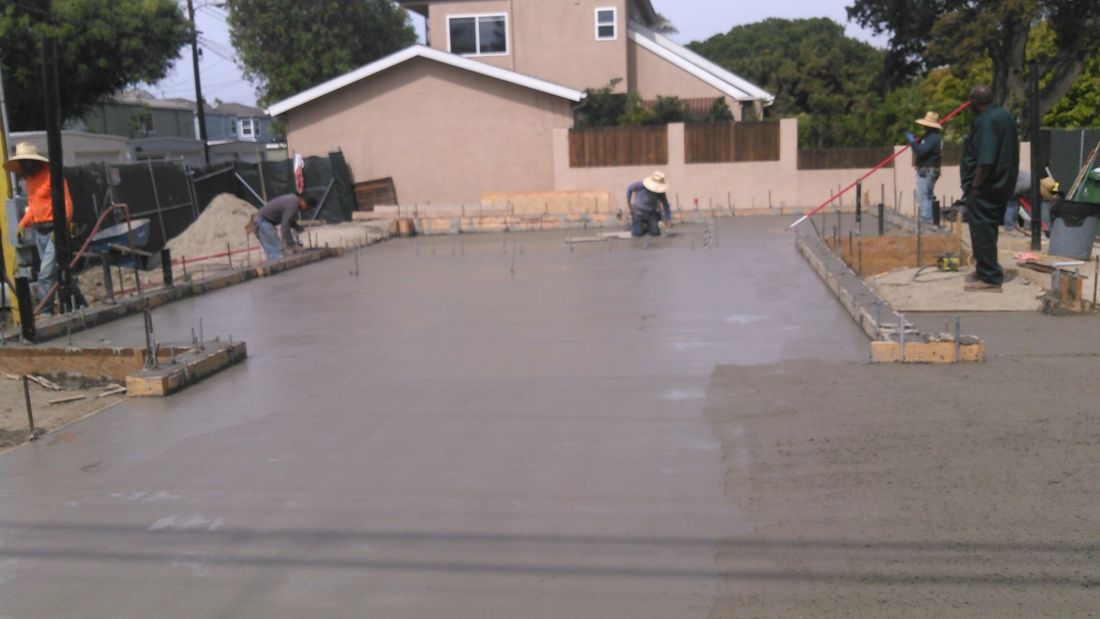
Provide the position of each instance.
(1090, 188)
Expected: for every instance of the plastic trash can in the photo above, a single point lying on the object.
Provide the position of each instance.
(1073, 229)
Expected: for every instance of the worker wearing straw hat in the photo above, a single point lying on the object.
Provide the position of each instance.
(34, 170)
(648, 205)
(928, 150)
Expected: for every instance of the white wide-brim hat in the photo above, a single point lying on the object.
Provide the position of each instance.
(655, 182)
(24, 151)
(931, 119)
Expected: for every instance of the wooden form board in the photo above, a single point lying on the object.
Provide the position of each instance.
(188, 369)
(868, 255)
(926, 352)
(95, 363)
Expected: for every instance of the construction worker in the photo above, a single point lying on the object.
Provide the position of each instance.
(33, 169)
(282, 211)
(928, 150)
(648, 205)
(989, 168)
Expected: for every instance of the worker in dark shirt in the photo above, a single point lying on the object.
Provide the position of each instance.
(648, 204)
(283, 212)
(989, 168)
(928, 150)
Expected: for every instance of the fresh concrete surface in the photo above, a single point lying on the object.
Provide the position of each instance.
(475, 426)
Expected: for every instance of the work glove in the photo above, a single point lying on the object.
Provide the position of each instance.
(909, 137)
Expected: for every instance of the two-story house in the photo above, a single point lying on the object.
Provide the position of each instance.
(475, 110)
(236, 132)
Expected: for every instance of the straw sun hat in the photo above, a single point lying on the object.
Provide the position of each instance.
(931, 120)
(23, 152)
(656, 182)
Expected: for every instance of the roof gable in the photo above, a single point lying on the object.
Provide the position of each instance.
(730, 84)
(419, 51)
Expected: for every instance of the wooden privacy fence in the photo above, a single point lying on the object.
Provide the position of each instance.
(618, 146)
(843, 158)
(731, 142)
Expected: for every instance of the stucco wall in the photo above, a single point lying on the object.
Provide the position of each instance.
(442, 133)
(552, 40)
(654, 76)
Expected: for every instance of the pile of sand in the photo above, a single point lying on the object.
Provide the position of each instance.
(220, 224)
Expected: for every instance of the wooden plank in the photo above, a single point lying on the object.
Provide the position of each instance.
(71, 398)
(926, 352)
(376, 192)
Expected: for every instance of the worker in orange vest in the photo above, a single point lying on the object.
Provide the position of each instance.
(33, 168)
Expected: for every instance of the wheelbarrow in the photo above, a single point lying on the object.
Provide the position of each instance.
(116, 239)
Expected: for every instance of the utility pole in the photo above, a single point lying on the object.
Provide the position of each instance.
(200, 105)
(57, 176)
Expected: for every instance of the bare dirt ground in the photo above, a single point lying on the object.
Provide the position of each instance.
(14, 427)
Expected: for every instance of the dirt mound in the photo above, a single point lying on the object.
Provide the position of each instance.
(220, 224)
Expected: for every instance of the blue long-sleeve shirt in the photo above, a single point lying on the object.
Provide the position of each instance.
(638, 197)
(929, 150)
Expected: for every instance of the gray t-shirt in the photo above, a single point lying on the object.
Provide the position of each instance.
(283, 212)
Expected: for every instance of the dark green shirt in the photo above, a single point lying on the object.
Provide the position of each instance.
(992, 142)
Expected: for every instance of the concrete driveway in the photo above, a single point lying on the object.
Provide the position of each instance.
(475, 426)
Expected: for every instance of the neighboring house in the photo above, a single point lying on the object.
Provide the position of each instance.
(230, 122)
(591, 43)
(168, 129)
(138, 114)
(476, 110)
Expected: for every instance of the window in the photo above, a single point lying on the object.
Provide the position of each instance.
(605, 24)
(233, 126)
(478, 35)
(248, 129)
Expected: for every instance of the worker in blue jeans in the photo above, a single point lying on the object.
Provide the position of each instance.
(283, 212)
(648, 203)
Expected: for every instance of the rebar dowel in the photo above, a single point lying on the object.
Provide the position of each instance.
(1095, 276)
(229, 254)
(27, 397)
(859, 205)
(958, 339)
(882, 217)
(901, 325)
(918, 240)
(202, 340)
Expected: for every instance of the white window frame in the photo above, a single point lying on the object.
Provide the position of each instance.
(252, 128)
(614, 23)
(477, 34)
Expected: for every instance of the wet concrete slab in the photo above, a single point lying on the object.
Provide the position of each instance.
(474, 426)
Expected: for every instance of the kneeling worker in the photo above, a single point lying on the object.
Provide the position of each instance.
(282, 211)
(646, 199)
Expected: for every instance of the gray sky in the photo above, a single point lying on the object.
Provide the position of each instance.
(695, 19)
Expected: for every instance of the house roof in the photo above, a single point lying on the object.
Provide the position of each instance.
(730, 84)
(234, 109)
(419, 51)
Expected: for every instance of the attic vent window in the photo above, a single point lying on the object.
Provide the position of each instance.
(605, 24)
(478, 35)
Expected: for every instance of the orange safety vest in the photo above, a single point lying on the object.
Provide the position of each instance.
(40, 202)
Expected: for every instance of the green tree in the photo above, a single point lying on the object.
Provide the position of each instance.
(287, 46)
(600, 107)
(932, 33)
(103, 46)
(832, 82)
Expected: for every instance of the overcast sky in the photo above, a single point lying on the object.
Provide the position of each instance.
(695, 19)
